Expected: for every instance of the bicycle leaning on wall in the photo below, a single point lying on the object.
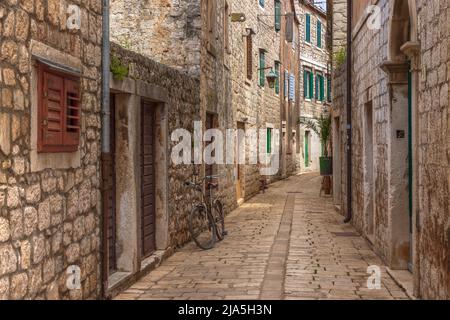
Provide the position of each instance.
(206, 221)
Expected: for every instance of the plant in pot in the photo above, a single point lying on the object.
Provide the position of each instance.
(322, 127)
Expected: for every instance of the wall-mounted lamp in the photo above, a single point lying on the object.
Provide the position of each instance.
(271, 77)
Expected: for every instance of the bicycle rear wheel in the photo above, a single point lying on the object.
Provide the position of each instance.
(201, 227)
(219, 219)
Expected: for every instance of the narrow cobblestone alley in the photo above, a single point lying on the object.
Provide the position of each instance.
(286, 244)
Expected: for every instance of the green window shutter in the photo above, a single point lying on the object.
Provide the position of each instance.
(305, 83)
(262, 65)
(269, 140)
(328, 88)
(319, 34)
(277, 80)
(277, 15)
(317, 87)
(308, 28)
(322, 88)
(311, 85)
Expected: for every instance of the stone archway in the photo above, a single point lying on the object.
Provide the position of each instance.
(401, 68)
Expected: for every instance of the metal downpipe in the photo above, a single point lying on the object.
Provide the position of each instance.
(105, 137)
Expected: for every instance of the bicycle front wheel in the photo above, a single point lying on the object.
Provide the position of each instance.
(219, 219)
(201, 227)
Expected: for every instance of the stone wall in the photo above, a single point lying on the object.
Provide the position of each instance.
(168, 31)
(339, 23)
(370, 86)
(215, 88)
(181, 108)
(434, 150)
(175, 33)
(49, 218)
(339, 136)
(252, 104)
(378, 84)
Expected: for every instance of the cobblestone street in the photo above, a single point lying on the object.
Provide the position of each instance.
(286, 244)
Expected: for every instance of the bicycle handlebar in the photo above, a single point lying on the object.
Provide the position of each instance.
(200, 183)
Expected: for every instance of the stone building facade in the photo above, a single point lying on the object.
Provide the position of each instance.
(400, 133)
(174, 98)
(50, 167)
(168, 31)
(181, 74)
(290, 100)
(315, 96)
(259, 47)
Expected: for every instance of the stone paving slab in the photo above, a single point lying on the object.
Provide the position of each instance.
(285, 244)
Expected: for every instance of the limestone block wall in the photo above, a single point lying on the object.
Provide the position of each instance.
(339, 139)
(215, 87)
(434, 150)
(167, 31)
(370, 85)
(49, 205)
(254, 105)
(182, 108)
(430, 127)
(339, 23)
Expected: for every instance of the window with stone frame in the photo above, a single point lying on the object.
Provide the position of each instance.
(262, 68)
(308, 83)
(59, 111)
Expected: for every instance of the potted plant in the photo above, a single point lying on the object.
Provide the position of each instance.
(322, 127)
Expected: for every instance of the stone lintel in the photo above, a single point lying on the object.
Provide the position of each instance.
(397, 71)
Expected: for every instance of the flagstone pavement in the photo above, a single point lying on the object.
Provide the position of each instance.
(288, 243)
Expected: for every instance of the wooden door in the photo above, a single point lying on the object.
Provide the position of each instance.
(148, 179)
(239, 167)
(307, 134)
(209, 168)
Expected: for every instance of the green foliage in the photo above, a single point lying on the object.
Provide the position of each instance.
(340, 56)
(118, 70)
(126, 43)
(322, 127)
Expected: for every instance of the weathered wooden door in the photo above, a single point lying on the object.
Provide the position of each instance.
(148, 179)
(209, 168)
(240, 145)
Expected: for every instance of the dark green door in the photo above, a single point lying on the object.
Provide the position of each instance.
(307, 149)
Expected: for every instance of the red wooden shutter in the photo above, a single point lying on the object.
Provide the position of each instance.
(72, 114)
(59, 111)
(51, 111)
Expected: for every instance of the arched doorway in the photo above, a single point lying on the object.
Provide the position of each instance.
(401, 68)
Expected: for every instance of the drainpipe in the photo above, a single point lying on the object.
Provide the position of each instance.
(349, 111)
(105, 138)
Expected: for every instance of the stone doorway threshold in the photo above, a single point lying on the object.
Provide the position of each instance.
(120, 281)
(404, 279)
